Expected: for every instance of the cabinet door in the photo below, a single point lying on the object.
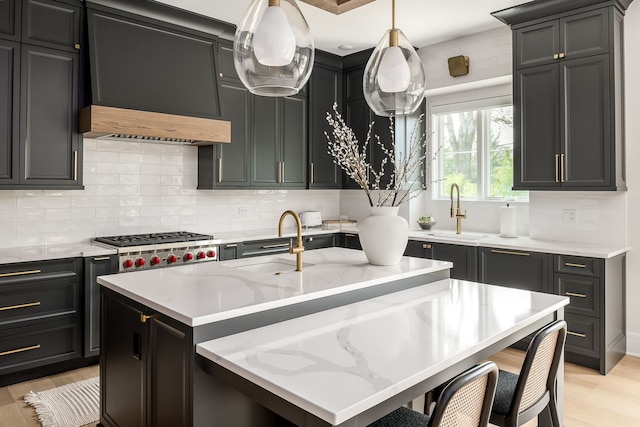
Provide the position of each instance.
(51, 24)
(9, 111)
(294, 141)
(10, 19)
(516, 269)
(325, 88)
(122, 368)
(464, 259)
(537, 128)
(228, 165)
(351, 241)
(358, 117)
(94, 267)
(419, 249)
(49, 140)
(587, 125)
(585, 34)
(265, 162)
(320, 241)
(230, 251)
(169, 386)
(536, 44)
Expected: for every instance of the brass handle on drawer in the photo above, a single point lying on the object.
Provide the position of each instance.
(25, 305)
(20, 350)
(102, 258)
(426, 246)
(231, 245)
(75, 165)
(20, 273)
(144, 317)
(280, 245)
(572, 294)
(349, 235)
(576, 334)
(219, 170)
(557, 163)
(496, 251)
(570, 264)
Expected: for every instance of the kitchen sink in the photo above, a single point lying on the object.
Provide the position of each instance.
(266, 266)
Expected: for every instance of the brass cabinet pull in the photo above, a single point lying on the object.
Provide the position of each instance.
(20, 273)
(572, 294)
(144, 317)
(570, 264)
(25, 305)
(280, 245)
(426, 246)
(20, 350)
(76, 46)
(219, 170)
(561, 167)
(75, 165)
(556, 56)
(311, 239)
(102, 258)
(311, 173)
(557, 163)
(231, 245)
(349, 235)
(282, 166)
(562, 55)
(497, 251)
(576, 334)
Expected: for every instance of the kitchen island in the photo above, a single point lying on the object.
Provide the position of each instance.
(154, 322)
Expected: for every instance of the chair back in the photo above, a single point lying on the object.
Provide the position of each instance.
(466, 401)
(540, 366)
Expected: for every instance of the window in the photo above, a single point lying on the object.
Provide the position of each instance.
(474, 142)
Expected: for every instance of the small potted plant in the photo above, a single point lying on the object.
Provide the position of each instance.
(426, 222)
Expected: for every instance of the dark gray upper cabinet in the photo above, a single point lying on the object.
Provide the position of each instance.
(9, 111)
(325, 89)
(143, 64)
(39, 96)
(51, 24)
(279, 142)
(228, 165)
(10, 19)
(49, 143)
(568, 110)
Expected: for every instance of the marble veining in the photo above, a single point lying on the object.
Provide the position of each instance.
(202, 293)
(338, 363)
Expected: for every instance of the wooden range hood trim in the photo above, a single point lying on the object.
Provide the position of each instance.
(337, 6)
(98, 121)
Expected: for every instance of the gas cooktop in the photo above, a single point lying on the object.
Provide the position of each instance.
(152, 238)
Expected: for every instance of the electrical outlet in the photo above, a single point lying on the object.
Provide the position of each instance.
(242, 210)
(569, 216)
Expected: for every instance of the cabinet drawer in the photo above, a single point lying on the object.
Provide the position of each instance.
(36, 345)
(26, 271)
(583, 336)
(38, 299)
(577, 265)
(51, 24)
(582, 291)
(266, 247)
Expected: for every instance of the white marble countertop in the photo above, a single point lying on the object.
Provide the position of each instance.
(40, 253)
(203, 293)
(338, 363)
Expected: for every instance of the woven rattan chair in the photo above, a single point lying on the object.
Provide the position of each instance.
(520, 398)
(464, 402)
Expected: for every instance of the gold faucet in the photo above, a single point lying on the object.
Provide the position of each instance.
(299, 248)
(455, 213)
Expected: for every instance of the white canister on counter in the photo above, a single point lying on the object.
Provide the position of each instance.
(508, 221)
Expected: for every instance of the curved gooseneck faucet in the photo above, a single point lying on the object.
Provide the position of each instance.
(456, 213)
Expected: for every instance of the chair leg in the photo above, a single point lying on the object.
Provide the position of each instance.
(545, 419)
(429, 399)
(553, 410)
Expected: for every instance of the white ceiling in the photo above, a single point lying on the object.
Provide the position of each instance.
(424, 22)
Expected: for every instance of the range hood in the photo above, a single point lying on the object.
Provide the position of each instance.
(98, 121)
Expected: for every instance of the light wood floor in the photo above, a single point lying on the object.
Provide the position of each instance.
(591, 400)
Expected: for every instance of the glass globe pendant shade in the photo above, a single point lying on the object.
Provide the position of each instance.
(394, 80)
(273, 51)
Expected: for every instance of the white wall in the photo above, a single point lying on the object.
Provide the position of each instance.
(632, 92)
(135, 187)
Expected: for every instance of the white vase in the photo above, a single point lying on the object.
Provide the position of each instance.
(383, 235)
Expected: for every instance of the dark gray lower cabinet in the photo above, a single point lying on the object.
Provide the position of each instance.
(319, 241)
(351, 241)
(94, 267)
(146, 366)
(516, 269)
(464, 258)
(230, 251)
(40, 322)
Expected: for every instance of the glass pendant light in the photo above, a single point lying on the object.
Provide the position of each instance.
(273, 49)
(394, 80)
